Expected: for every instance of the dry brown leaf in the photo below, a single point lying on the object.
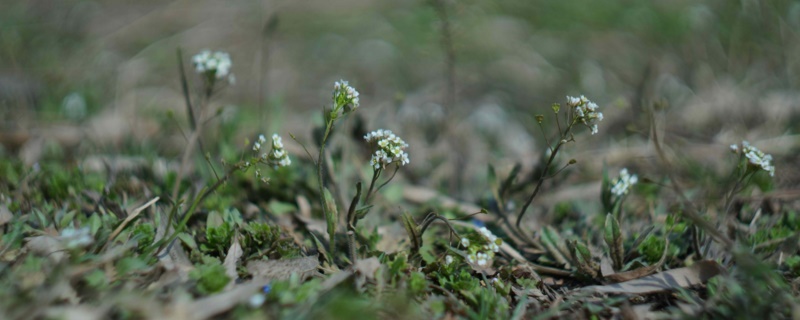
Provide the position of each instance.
(698, 273)
(365, 270)
(135, 213)
(47, 246)
(392, 237)
(176, 258)
(210, 306)
(79, 312)
(231, 259)
(283, 269)
(368, 267)
(314, 225)
(606, 269)
(5, 215)
(303, 206)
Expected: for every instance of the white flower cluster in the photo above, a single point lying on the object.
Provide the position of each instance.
(391, 149)
(76, 238)
(217, 64)
(585, 111)
(278, 157)
(344, 96)
(623, 184)
(484, 251)
(257, 145)
(756, 157)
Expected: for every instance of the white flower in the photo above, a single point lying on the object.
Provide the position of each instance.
(391, 149)
(624, 183)
(216, 64)
(758, 158)
(257, 300)
(734, 148)
(345, 96)
(585, 112)
(465, 242)
(482, 258)
(448, 260)
(278, 157)
(76, 238)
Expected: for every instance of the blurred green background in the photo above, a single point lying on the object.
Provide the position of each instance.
(101, 76)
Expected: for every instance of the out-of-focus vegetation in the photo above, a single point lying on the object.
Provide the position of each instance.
(115, 202)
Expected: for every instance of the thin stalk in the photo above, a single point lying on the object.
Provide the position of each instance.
(541, 178)
(320, 159)
(375, 174)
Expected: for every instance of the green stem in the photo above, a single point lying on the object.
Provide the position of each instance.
(375, 174)
(320, 159)
(544, 174)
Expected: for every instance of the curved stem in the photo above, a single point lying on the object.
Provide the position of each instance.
(542, 176)
(320, 160)
(375, 174)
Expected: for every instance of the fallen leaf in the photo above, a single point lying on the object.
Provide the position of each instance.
(5, 215)
(606, 269)
(231, 259)
(698, 273)
(47, 246)
(135, 213)
(283, 269)
(303, 206)
(365, 271)
(211, 306)
(392, 237)
(79, 312)
(367, 267)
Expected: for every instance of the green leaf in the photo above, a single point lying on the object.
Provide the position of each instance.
(613, 238)
(331, 217)
(95, 223)
(188, 240)
(411, 230)
(67, 219)
(605, 192)
(361, 212)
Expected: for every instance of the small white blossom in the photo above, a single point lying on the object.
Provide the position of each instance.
(482, 258)
(76, 238)
(345, 96)
(624, 183)
(215, 64)
(257, 300)
(448, 260)
(465, 242)
(585, 112)
(734, 148)
(278, 157)
(758, 158)
(391, 149)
